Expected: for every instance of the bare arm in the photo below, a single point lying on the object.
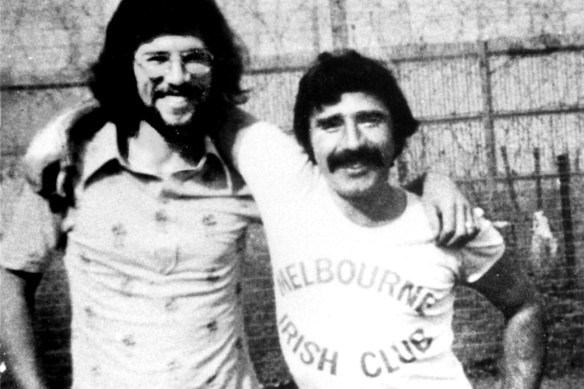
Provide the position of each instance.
(440, 194)
(17, 290)
(512, 293)
(33, 233)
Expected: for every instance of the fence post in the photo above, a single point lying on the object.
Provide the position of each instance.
(488, 126)
(339, 24)
(315, 28)
(509, 179)
(538, 188)
(567, 225)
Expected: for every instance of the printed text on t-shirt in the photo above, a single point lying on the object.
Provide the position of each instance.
(301, 275)
(372, 363)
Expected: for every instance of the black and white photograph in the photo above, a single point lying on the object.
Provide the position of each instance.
(292, 194)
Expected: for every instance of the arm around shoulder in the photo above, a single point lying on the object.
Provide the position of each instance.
(445, 200)
(267, 158)
(243, 135)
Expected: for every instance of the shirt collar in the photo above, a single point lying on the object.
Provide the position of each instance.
(104, 148)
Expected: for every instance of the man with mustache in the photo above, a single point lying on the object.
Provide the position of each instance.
(364, 296)
(367, 154)
(151, 218)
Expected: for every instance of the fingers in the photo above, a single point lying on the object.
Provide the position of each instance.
(447, 220)
(466, 226)
(471, 221)
(459, 226)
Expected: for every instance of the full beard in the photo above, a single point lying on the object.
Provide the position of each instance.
(188, 139)
(183, 135)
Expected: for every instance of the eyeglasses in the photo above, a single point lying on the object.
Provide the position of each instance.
(158, 64)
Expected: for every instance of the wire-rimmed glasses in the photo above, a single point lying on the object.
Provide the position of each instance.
(197, 62)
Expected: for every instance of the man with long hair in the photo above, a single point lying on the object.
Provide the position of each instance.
(153, 218)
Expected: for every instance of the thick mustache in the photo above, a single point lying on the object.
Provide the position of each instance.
(182, 91)
(366, 155)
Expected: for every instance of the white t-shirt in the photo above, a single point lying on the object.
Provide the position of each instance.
(357, 307)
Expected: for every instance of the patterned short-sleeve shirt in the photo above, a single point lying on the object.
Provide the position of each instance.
(153, 266)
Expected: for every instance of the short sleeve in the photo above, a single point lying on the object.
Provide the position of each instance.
(31, 234)
(480, 254)
(272, 163)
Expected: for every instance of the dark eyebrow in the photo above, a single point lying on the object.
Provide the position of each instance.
(152, 54)
(372, 115)
(329, 121)
(164, 52)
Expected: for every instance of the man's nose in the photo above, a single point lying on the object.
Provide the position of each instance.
(177, 73)
(352, 135)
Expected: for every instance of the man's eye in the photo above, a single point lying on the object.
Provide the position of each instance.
(197, 57)
(193, 58)
(157, 59)
(329, 124)
(372, 119)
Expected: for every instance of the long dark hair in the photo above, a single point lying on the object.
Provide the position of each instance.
(112, 80)
(344, 72)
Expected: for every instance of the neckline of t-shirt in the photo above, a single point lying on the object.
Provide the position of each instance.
(344, 220)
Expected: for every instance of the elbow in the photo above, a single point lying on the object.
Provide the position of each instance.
(530, 313)
(527, 329)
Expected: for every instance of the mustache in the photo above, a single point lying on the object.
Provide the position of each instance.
(367, 155)
(188, 90)
(182, 90)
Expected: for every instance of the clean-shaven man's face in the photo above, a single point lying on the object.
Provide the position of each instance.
(173, 75)
(353, 144)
